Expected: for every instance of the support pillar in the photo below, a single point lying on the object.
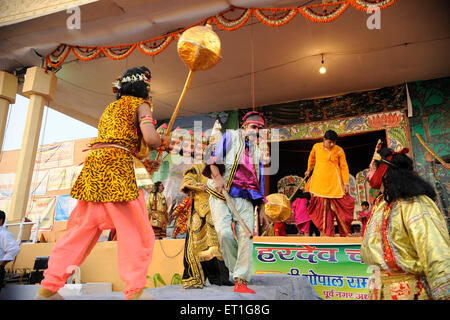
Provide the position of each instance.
(39, 87)
(8, 90)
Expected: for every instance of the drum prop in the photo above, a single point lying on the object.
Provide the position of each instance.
(278, 206)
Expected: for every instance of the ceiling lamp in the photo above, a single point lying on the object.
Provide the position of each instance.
(322, 69)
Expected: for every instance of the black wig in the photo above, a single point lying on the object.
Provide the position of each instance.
(156, 187)
(401, 181)
(138, 89)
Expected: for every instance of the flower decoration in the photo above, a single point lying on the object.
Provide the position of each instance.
(230, 19)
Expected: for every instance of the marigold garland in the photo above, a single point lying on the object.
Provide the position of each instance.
(152, 50)
(118, 53)
(365, 5)
(86, 53)
(279, 17)
(58, 56)
(288, 15)
(338, 9)
(229, 25)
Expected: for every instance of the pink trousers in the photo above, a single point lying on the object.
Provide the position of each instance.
(135, 241)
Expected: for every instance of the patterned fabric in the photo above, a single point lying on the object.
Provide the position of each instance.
(402, 286)
(182, 214)
(157, 211)
(202, 257)
(108, 173)
(410, 237)
(338, 107)
(323, 211)
(230, 154)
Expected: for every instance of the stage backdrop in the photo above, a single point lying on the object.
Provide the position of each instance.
(333, 266)
(431, 121)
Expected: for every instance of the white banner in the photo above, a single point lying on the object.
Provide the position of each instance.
(39, 183)
(7, 184)
(42, 209)
(4, 205)
(54, 155)
(63, 178)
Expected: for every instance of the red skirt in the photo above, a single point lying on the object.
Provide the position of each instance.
(323, 210)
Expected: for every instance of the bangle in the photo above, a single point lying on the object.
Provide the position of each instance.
(147, 119)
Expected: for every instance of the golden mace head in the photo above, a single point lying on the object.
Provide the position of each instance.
(199, 48)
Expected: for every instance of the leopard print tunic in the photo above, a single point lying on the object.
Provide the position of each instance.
(108, 173)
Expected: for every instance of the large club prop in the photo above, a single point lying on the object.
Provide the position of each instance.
(199, 48)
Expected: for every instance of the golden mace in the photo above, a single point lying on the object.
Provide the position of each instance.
(199, 48)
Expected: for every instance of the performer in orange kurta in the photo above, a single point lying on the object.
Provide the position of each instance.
(107, 193)
(329, 185)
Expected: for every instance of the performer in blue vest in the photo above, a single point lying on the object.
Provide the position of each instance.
(236, 166)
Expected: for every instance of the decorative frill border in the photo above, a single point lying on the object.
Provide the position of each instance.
(229, 20)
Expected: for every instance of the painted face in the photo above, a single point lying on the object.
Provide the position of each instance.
(176, 147)
(251, 131)
(187, 147)
(328, 144)
(198, 151)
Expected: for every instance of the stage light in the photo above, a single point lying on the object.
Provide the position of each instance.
(322, 69)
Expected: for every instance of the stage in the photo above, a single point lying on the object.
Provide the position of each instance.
(267, 287)
(285, 268)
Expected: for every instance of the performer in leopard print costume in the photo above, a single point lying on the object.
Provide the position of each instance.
(108, 197)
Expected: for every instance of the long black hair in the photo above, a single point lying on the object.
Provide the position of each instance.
(156, 187)
(138, 89)
(400, 180)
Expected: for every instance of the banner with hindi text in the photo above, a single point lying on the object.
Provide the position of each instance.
(62, 178)
(41, 209)
(55, 155)
(335, 270)
(39, 183)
